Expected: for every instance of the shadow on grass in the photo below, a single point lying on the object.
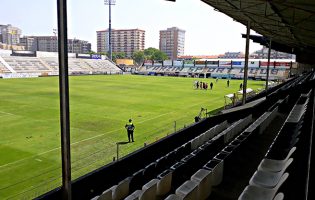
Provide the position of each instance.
(122, 143)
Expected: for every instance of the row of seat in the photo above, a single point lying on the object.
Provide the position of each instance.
(204, 144)
(272, 170)
(208, 173)
(211, 173)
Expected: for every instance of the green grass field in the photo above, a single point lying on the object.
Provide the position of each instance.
(100, 106)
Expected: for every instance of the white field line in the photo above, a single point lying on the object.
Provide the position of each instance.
(86, 139)
(6, 113)
(74, 143)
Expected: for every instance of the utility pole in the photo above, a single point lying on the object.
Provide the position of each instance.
(268, 65)
(246, 62)
(109, 3)
(64, 99)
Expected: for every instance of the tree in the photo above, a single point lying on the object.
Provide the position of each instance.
(117, 55)
(138, 57)
(159, 55)
(91, 52)
(154, 54)
(148, 53)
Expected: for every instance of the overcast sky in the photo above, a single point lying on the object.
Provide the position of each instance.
(207, 32)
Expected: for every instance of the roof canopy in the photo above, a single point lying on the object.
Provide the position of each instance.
(290, 24)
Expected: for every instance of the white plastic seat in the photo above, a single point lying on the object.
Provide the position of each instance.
(149, 190)
(188, 190)
(173, 197)
(268, 179)
(164, 184)
(275, 165)
(202, 139)
(279, 196)
(107, 194)
(217, 171)
(252, 192)
(121, 190)
(195, 143)
(134, 196)
(204, 179)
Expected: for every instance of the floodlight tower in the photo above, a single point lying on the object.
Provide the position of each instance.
(109, 3)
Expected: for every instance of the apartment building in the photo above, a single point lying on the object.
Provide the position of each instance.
(50, 44)
(123, 40)
(172, 42)
(9, 34)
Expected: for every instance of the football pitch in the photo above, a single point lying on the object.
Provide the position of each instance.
(100, 106)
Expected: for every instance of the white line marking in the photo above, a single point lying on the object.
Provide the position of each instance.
(39, 160)
(6, 113)
(86, 139)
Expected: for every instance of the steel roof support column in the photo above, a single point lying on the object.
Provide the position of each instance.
(246, 63)
(64, 98)
(268, 64)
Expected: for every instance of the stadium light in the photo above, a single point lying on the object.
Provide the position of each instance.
(109, 3)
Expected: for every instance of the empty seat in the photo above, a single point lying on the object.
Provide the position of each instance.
(268, 179)
(274, 165)
(260, 193)
(195, 143)
(216, 166)
(134, 196)
(173, 197)
(121, 190)
(279, 196)
(202, 139)
(165, 183)
(204, 179)
(107, 194)
(149, 190)
(188, 190)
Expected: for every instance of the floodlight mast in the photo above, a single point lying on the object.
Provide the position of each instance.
(109, 3)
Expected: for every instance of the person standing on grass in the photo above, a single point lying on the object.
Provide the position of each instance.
(211, 85)
(228, 83)
(130, 128)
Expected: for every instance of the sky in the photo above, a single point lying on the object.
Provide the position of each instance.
(208, 32)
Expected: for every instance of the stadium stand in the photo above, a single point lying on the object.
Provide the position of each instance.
(216, 157)
(3, 68)
(49, 66)
(25, 64)
(215, 71)
(100, 65)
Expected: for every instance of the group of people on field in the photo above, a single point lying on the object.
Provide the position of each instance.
(204, 86)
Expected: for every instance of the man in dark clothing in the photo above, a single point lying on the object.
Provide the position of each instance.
(130, 128)
(228, 83)
(241, 86)
(211, 85)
